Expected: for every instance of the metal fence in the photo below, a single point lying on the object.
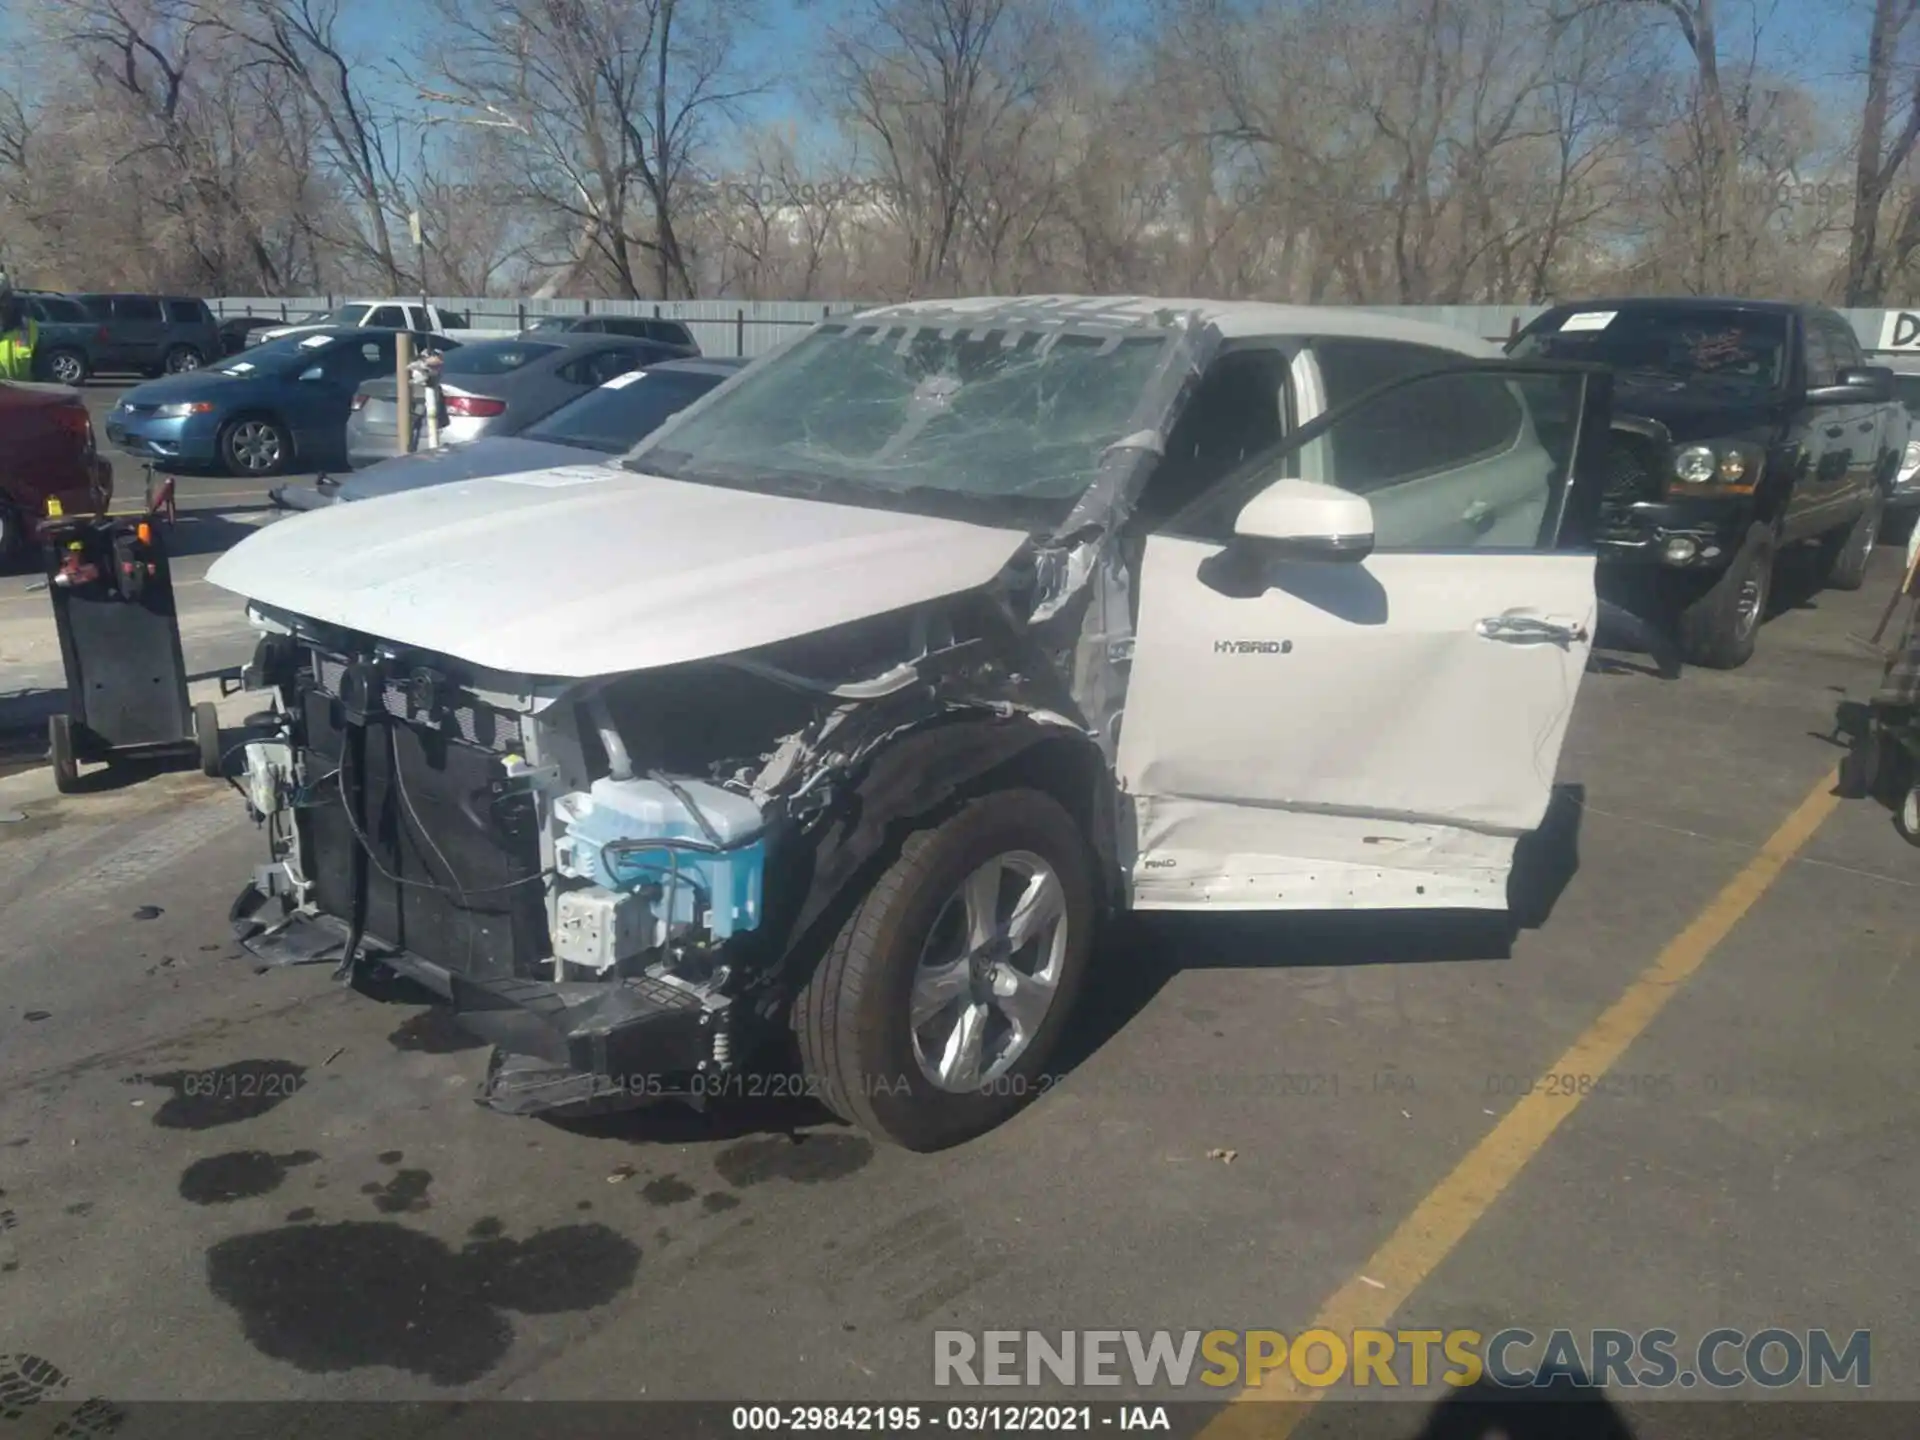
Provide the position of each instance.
(752, 327)
(722, 327)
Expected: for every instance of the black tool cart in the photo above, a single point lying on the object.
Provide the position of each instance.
(113, 606)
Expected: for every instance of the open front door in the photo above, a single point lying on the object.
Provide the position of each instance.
(1376, 732)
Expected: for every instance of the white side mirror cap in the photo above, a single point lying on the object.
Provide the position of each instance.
(1304, 520)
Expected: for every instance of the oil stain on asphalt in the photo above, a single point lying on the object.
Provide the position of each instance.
(805, 1158)
(406, 1192)
(433, 1032)
(238, 1175)
(667, 1190)
(223, 1094)
(328, 1298)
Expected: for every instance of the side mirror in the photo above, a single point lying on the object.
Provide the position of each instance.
(1304, 520)
(1856, 385)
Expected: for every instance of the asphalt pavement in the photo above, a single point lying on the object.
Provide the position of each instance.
(228, 1184)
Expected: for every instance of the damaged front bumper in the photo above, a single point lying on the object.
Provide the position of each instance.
(605, 878)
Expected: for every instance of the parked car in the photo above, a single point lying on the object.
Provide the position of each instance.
(47, 452)
(640, 327)
(1903, 501)
(1742, 428)
(602, 423)
(257, 412)
(826, 719)
(237, 331)
(411, 315)
(68, 339)
(494, 387)
(152, 334)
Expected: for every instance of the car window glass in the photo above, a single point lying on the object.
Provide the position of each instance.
(495, 357)
(60, 310)
(360, 360)
(619, 415)
(1237, 410)
(1906, 389)
(604, 366)
(139, 308)
(1822, 364)
(387, 317)
(184, 312)
(1469, 458)
(98, 307)
(1454, 421)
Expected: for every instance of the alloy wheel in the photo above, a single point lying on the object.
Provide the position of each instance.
(255, 446)
(67, 369)
(988, 974)
(182, 360)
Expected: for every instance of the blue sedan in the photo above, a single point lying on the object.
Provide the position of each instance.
(258, 412)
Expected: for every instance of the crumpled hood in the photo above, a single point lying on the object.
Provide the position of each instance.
(589, 570)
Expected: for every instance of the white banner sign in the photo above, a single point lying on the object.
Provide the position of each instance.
(1900, 330)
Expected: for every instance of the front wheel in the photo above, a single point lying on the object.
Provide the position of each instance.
(1847, 552)
(60, 754)
(182, 358)
(67, 367)
(931, 1017)
(255, 446)
(1718, 628)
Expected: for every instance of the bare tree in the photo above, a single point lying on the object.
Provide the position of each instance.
(1881, 155)
(608, 103)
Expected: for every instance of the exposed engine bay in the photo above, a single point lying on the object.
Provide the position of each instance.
(608, 878)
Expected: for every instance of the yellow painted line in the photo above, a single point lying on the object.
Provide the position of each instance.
(1459, 1202)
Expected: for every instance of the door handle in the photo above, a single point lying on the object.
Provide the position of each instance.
(1866, 425)
(1528, 629)
(1834, 432)
(1480, 515)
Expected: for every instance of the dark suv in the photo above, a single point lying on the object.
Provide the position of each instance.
(153, 334)
(640, 327)
(69, 336)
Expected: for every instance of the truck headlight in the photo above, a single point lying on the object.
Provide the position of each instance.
(1910, 462)
(1730, 463)
(1695, 464)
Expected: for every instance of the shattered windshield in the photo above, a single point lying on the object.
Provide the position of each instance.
(1007, 423)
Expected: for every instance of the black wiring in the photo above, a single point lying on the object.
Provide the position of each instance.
(373, 857)
(699, 816)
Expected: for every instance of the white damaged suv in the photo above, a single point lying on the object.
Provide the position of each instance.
(851, 703)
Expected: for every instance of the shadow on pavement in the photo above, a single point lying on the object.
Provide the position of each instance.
(1486, 1412)
(210, 532)
(1144, 952)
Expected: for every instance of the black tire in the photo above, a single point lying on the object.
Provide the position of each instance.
(67, 367)
(1718, 628)
(206, 732)
(852, 1017)
(244, 441)
(181, 359)
(66, 767)
(1846, 553)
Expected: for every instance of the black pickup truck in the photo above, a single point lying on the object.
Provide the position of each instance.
(1741, 427)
